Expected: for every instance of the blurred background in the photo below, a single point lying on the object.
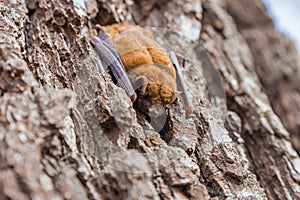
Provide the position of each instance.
(286, 17)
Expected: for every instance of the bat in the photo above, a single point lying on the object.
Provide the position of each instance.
(148, 73)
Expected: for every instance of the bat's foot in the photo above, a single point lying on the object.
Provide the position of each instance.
(133, 97)
(98, 27)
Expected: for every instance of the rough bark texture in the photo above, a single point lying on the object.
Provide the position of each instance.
(68, 132)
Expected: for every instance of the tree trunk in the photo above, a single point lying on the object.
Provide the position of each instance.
(69, 132)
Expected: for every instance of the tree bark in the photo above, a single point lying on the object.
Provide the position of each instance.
(68, 131)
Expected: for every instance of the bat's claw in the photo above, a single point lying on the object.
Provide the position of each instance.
(133, 97)
(98, 27)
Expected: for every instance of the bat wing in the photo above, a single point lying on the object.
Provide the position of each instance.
(183, 94)
(111, 58)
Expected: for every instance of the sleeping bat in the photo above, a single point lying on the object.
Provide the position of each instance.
(148, 73)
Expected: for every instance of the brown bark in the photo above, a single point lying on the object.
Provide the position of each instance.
(68, 132)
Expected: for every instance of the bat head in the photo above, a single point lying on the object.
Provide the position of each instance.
(153, 83)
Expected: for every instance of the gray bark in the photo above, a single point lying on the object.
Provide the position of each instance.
(67, 131)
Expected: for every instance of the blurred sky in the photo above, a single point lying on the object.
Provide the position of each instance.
(286, 17)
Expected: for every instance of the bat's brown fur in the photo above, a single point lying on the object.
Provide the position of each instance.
(142, 56)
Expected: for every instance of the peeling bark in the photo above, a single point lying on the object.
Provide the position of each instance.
(68, 131)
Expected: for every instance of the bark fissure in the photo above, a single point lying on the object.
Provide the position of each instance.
(68, 132)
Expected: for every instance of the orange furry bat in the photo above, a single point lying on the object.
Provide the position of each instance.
(151, 70)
